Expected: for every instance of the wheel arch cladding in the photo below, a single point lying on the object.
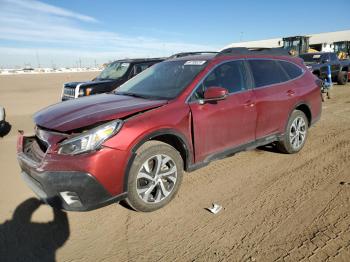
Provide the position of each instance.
(177, 143)
(306, 110)
(169, 137)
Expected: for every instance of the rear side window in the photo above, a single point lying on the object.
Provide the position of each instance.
(267, 72)
(292, 70)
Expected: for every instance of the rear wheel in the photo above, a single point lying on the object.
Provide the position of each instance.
(154, 177)
(295, 134)
(342, 78)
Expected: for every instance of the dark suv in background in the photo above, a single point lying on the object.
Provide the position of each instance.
(180, 114)
(115, 74)
(318, 64)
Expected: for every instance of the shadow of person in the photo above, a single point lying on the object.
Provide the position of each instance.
(23, 240)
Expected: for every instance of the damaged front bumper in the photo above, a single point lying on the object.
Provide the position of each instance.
(71, 190)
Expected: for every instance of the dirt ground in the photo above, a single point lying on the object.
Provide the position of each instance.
(276, 207)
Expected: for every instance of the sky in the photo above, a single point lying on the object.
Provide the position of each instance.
(66, 33)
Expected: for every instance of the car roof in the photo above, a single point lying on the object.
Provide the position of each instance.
(235, 53)
(213, 57)
(193, 57)
(140, 60)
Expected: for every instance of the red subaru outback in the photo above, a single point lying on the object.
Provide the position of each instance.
(178, 115)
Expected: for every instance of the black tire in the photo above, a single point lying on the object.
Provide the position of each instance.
(146, 152)
(285, 145)
(342, 78)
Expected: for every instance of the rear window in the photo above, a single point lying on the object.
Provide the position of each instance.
(267, 72)
(292, 70)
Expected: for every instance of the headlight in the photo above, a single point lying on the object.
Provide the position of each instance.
(90, 140)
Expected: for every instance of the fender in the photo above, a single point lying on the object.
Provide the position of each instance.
(150, 136)
(293, 108)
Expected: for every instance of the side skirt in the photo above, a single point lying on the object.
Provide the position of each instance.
(231, 151)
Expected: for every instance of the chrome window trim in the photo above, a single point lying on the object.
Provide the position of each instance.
(76, 94)
(251, 75)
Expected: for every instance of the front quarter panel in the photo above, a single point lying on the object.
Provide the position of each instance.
(174, 117)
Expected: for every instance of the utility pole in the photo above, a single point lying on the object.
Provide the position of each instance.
(79, 62)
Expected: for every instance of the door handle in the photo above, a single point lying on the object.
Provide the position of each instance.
(249, 103)
(290, 92)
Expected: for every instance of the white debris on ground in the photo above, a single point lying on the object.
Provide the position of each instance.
(215, 209)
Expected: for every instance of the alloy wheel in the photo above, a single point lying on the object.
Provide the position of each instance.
(297, 132)
(156, 178)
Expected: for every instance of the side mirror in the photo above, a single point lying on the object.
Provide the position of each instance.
(214, 94)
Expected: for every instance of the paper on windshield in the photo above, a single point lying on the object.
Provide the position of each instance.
(195, 62)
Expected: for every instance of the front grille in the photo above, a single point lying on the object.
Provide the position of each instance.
(32, 149)
(68, 93)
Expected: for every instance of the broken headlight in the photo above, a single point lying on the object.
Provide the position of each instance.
(89, 140)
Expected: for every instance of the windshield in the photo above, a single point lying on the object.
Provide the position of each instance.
(114, 71)
(291, 43)
(312, 58)
(164, 80)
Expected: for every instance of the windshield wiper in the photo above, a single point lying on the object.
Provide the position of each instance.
(141, 96)
(132, 94)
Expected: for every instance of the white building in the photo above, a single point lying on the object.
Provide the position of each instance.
(321, 42)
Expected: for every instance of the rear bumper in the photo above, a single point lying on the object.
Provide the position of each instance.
(69, 190)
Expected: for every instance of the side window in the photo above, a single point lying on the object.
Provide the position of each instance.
(231, 75)
(138, 68)
(292, 70)
(267, 72)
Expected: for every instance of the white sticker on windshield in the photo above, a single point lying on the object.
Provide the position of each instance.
(195, 62)
(125, 64)
(316, 56)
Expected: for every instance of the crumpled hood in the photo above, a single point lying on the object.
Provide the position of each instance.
(85, 111)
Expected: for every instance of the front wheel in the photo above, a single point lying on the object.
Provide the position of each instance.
(295, 134)
(154, 177)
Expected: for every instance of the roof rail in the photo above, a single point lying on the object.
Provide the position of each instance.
(279, 51)
(191, 53)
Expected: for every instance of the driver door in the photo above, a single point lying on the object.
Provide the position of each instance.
(223, 125)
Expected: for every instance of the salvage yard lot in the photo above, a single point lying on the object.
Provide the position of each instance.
(276, 206)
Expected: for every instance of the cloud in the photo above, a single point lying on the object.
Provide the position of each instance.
(56, 32)
(36, 6)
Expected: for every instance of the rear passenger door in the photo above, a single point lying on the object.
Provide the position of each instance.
(228, 123)
(274, 96)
